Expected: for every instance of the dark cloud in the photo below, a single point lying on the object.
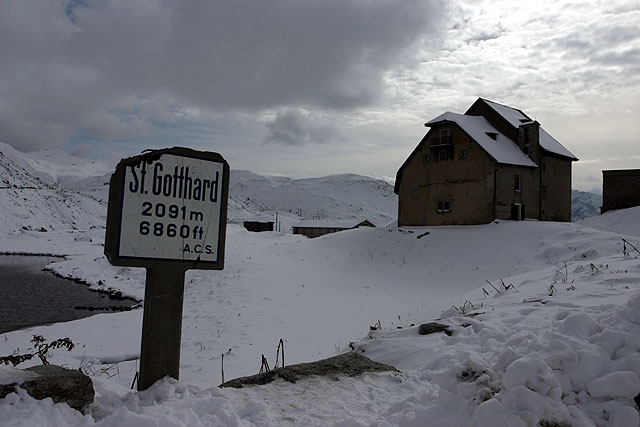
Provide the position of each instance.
(294, 127)
(110, 68)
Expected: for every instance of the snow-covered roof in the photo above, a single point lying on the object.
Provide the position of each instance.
(550, 144)
(263, 218)
(514, 116)
(330, 223)
(502, 149)
(517, 118)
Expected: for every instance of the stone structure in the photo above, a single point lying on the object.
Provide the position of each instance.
(620, 189)
(491, 162)
(319, 227)
(258, 226)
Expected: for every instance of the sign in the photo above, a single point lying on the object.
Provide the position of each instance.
(168, 213)
(168, 205)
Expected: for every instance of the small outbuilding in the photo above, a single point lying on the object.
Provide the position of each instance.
(258, 225)
(319, 227)
(620, 189)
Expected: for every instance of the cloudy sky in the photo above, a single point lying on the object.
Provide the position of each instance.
(315, 87)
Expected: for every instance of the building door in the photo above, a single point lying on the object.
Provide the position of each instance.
(517, 212)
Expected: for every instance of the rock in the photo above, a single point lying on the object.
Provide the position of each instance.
(60, 384)
(432, 328)
(350, 364)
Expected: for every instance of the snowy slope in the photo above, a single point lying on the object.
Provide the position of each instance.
(28, 202)
(54, 165)
(545, 317)
(559, 346)
(622, 221)
(68, 192)
(335, 196)
(253, 196)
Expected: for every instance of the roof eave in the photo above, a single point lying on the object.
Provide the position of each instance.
(571, 157)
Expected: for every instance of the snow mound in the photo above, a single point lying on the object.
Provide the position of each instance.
(622, 221)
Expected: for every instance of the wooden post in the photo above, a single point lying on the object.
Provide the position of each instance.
(161, 325)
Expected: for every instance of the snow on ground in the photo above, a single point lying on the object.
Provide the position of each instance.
(619, 221)
(559, 347)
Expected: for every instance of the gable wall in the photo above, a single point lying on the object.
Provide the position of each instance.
(556, 178)
(467, 184)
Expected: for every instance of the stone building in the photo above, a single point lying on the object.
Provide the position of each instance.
(258, 225)
(620, 189)
(491, 162)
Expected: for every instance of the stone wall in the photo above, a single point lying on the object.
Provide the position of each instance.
(464, 179)
(620, 189)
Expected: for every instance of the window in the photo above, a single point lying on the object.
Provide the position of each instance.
(427, 158)
(414, 190)
(527, 140)
(444, 206)
(464, 153)
(443, 155)
(517, 183)
(444, 136)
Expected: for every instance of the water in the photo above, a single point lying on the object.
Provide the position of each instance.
(31, 297)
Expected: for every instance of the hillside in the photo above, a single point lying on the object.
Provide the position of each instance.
(31, 201)
(544, 321)
(68, 192)
(544, 317)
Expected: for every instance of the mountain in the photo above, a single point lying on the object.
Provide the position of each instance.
(66, 192)
(54, 165)
(31, 200)
(71, 192)
(584, 204)
(334, 196)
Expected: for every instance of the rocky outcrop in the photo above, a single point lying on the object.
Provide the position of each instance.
(60, 384)
(349, 364)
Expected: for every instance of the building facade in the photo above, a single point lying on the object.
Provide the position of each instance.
(491, 162)
(620, 189)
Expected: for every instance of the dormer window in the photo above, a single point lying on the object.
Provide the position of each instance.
(444, 137)
(492, 135)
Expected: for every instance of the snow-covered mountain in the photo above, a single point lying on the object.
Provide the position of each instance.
(31, 199)
(54, 165)
(335, 196)
(584, 204)
(68, 192)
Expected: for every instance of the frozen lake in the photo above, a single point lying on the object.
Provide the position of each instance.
(30, 296)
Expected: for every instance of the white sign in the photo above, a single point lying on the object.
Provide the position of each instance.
(171, 209)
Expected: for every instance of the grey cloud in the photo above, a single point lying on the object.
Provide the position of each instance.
(69, 67)
(486, 35)
(293, 127)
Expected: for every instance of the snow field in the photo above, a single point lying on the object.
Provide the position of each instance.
(560, 346)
